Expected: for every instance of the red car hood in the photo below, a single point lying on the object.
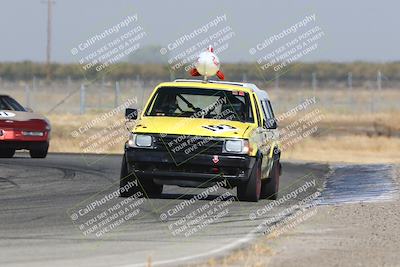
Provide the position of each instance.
(22, 120)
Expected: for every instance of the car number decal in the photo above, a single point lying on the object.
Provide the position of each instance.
(219, 128)
(6, 114)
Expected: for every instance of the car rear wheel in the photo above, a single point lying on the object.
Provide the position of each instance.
(40, 151)
(7, 153)
(146, 186)
(270, 186)
(251, 190)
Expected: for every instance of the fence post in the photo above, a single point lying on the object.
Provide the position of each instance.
(350, 80)
(379, 85)
(350, 87)
(314, 82)
(276, 81)
(379, 80)
(101, 93)
(82, 97)
(117, 92)
(27, 96)
(34, 95)
(34, 87)
(140, 84)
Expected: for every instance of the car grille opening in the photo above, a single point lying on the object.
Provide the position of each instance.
(188, 145)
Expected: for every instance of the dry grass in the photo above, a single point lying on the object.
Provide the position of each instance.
(383, 123)
(351, 149)
(361, 138)
(63, 126)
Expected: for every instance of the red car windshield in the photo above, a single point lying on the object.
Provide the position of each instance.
(8, 103)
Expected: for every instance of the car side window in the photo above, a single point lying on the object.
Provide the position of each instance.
(269, 114)
(265, 109)
(270, 110)
(257, 111)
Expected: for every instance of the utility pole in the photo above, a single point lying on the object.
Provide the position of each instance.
(48, 48)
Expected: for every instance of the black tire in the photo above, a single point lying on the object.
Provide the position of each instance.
(125, 178)
(39, 152)
(251, 190)
(7, 153)
(270, 186)
(150, 189)
(146, 186)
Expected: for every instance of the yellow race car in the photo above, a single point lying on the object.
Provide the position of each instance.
(195, 133)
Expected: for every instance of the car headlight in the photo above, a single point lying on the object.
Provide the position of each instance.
(236, 146)
(140, 140)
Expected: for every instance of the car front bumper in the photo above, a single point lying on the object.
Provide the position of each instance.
(193, 170)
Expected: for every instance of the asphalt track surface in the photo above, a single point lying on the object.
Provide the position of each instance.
(46, 218)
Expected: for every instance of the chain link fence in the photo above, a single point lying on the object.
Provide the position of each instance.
(77, 97)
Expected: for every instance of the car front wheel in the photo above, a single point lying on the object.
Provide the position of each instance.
(250, 191)
(146, 186)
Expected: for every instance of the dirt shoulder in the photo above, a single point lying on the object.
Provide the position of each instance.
(363, 234)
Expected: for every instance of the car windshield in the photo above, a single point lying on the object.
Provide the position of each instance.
(201, 103)
(8, 103)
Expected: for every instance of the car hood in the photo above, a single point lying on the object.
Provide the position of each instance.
(193, 126)
(21, 119)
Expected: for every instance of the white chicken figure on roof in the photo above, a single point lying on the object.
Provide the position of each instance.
(207, 65)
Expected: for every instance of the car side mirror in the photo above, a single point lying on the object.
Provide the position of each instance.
(28, 109)
(131, 113)
(270, 124)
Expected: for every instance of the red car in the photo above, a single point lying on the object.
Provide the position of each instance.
(22, 129)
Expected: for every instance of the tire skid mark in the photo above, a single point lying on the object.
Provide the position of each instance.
(6, 183)
(68, 173)
(360, 183)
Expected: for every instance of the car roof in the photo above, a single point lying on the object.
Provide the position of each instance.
(212, 84)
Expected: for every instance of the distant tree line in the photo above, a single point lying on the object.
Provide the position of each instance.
(325, 71)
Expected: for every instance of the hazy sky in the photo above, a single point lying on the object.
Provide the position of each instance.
(353, 30)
